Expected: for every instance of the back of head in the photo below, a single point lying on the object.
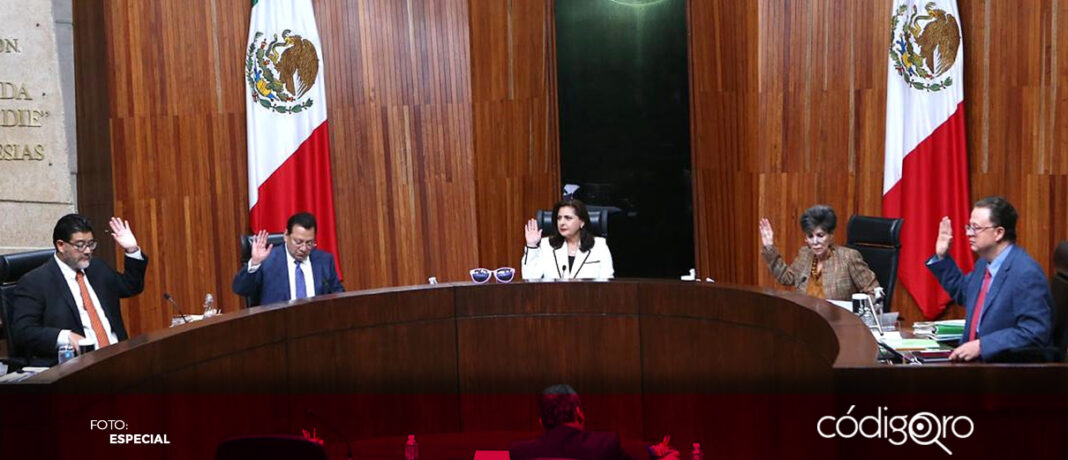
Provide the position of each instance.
(68, 225)
(558, 404)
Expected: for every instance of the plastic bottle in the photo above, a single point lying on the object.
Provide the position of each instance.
(209, 306)
(411, 448)
(696, 454)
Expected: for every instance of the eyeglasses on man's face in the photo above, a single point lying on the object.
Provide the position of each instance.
(502, 274)
(970, 229)
(83, 245)
(303, 243)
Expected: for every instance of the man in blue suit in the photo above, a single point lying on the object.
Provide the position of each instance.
(1006, 296)
(295, 271)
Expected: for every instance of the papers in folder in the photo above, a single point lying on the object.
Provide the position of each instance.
(901, 344)
(940, 330)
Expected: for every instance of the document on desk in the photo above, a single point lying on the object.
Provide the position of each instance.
(24, 374)
(902, 344)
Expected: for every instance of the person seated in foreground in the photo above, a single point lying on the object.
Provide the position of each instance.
(565, 432)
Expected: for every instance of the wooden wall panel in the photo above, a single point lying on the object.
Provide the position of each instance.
(443, 126)
(442, 122)
(819, 128)
(401, 136)
(161, 111)
(516, 141)
(723, 73)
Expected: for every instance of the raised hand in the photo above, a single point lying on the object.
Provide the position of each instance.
(260, 248)
(120, 231)
(767, 235)
(945, 237)
(533, 233)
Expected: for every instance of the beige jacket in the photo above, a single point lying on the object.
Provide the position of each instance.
(844, 272)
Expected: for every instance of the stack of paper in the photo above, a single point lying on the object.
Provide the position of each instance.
(912, 344)
(940, 330)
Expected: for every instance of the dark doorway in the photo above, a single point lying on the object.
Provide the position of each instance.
(625, 126)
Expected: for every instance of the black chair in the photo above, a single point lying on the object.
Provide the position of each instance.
(270, 447)
(1058, 286)
(12, 267)
(878, 239)
(598, 220)
(275, 239)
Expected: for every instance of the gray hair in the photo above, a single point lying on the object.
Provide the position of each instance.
(819, 216)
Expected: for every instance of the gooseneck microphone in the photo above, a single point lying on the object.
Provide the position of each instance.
(167, 297)
(348, 447)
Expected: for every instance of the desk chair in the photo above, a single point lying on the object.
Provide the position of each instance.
(12, 267)
(1058, 286)
(878, 239)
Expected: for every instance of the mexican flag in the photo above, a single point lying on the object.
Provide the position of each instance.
(288, 142)
(926, 168)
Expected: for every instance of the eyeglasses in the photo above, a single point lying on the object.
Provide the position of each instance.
(306, 244)
(970, 230)
(83, 245)
(503, 274)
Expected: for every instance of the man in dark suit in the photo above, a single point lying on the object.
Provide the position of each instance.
(75, 296)
(565, 435)
(294, 271)
(1006, 296)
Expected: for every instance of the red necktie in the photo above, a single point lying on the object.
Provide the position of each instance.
(979, 306)
(94, 319)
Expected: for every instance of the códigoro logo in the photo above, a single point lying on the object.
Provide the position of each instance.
(923, 428)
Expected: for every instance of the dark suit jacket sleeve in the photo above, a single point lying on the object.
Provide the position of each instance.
(951, 278)
(1032, 308)
(27, 322)
(248, 284)
(333, 284)
(132, 281)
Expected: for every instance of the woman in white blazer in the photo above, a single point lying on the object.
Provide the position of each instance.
(573, 252)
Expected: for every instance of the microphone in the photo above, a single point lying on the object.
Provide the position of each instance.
(167, 297)
(348, 447)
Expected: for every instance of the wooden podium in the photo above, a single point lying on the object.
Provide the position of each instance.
(729, 366)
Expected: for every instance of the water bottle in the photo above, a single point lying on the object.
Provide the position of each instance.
(696, 454)
(411, 448)
(209, 306)
(65, 353)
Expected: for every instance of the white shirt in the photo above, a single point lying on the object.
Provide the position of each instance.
(291, 268)
(87, 326)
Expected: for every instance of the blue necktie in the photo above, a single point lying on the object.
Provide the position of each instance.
(298, 279)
